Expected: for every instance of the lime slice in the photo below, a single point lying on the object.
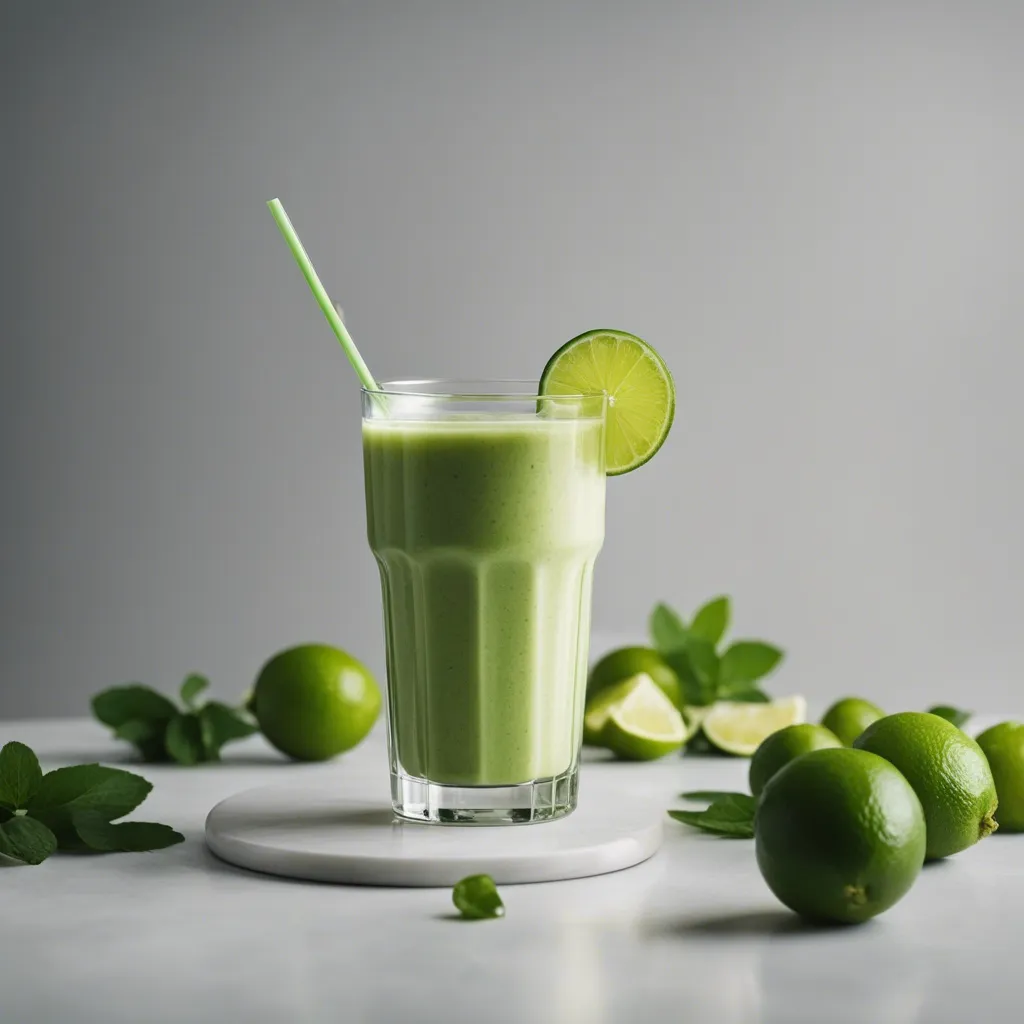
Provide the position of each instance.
(644, 724)
(641, 395)
(739, 728)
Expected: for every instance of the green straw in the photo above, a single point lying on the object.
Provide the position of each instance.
(320, 294)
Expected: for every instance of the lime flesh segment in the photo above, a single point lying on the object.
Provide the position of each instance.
(599, 707)
(641, 394)
(645, 724)
(740, 728)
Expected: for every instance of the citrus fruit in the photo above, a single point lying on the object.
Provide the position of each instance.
(778, 749)
(599, 706)
(630, 661)
(839, 835)
(1003, 745)
(739, 728)
(313, 701)
(644, 724)
(948, 771)
(641, 395)
(849, 717)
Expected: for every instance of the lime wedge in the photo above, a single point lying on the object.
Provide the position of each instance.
(641, 395)
(599, 707)
(644, 724)
(739, 728)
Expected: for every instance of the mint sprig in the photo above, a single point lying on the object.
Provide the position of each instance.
(162, 731)
(71, 809)
(730, 815)
(707, 670)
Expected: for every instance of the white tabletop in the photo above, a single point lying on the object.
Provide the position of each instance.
(692, 935)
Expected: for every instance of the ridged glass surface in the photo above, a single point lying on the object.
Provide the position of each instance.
(485, 529)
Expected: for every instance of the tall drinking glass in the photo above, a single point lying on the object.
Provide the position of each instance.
(485, 512)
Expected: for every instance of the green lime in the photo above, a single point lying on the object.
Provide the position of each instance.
(599, 706)
(781, 747)
(631, 661)
(948, 771)
(740, 728)
(839, 835)
(313, 701)
(641, 395)
(644, 724)
(1003, 745)
(849, 717)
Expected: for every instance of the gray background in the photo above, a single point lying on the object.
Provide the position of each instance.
(814, 210)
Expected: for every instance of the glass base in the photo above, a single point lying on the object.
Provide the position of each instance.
(524, 804)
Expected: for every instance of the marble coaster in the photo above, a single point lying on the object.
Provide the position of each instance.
(311, 831)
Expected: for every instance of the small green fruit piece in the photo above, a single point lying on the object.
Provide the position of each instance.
(645, 724)
(839, 835)
(849, 717)
(781, 747)
(1003, 746)
(626, 662)
(949, 773)
(313, 702)
(477, 898)
(740, 728)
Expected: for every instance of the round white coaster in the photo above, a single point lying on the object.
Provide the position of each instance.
(310, 831)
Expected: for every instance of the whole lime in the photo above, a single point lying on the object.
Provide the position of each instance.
(948, 771)
(849, 717)
(778, 749)
(839, 835)
(626, 662)
(313, 702)
(1003, 745)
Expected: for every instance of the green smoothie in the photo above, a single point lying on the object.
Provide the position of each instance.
(485, 528)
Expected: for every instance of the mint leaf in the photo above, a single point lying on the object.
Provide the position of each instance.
(709, 795)
(184, 739)
(20, 775)
(743, 693)
(702, 657)
(958, 717)
(134, 702)
(27, 840)
(694, 689)
(477, 897)
(668, 631)
(220, 724)
(711, 621)
(109, 792)
(743, 802)
(146, 736)
(731, 815)
(192, 687)
(5, 814)
(708, 822)
(128, 837)
(747, 661)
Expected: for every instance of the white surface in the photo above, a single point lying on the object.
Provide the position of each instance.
(693, 935)
(305, 830)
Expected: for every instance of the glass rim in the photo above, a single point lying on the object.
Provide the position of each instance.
(454, 387)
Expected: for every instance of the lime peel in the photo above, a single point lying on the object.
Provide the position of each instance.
(644, 724)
